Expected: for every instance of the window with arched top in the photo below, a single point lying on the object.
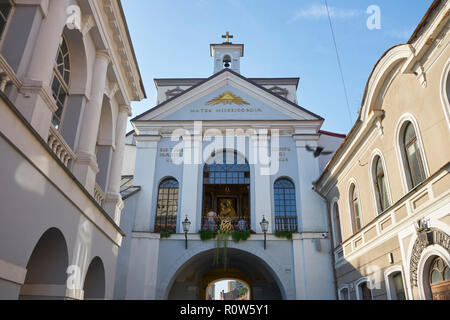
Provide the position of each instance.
(344, 294)
(439, 271)
(439, 279)
(285, 206)
(380, 185)
(337, 225)
(414, 167)
(355, 208)
(5, 10)
(167, 205)
(60, 82)
(364, 291)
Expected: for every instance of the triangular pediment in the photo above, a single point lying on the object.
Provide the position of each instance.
(227, 96)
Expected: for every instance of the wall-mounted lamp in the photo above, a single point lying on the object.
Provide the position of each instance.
(264, 226)
(186, 227)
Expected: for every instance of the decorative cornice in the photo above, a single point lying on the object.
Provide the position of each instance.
(87, 24)
(125, 109)
(104, 54)
(124, 48)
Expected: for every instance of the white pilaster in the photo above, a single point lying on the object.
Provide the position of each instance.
(300, 269)
(312, 208)
(190, 183)
(113, 203)
(43, 60)
(142, 272)
(263, 199)
(85, 167)
(35, 101)
(147, 152)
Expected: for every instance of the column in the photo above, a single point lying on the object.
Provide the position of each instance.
(147, 152)
(190, 184)
(85, 167)
(312, 208)
(113, 203)
(263, 198)
(36, 101)
(301, 286)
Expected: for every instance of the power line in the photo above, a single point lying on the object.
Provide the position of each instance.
(339, 64)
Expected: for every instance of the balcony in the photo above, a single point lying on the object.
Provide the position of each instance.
(59, 147)
(99, 195)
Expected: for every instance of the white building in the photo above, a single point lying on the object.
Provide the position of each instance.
(174, 170)
(68, 76)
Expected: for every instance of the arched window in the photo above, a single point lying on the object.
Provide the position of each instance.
(344, 294)
(413, 160)
(380, 184)
(60, 82)
(285, 206)
(5, 10)
(337, 225)
(226, 189)
(355, 209)
(439, 279)
(364, 292)
(167, 206)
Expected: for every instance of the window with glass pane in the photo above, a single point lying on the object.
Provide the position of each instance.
(365, 292)
(397, 280)
(60, 82)
(439, 271)
(381, 186)
(227, 168)
(337, 223)
(354, 202)
(5, 10)
(345, 294)
(167, 206)
(414, 163)
(285, 206)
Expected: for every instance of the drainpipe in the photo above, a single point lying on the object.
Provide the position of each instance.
(336, 296)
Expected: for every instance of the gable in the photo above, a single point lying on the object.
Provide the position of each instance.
(227, 96)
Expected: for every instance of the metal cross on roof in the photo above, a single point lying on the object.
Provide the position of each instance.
(227, 37)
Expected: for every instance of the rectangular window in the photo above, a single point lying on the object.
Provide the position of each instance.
(345, 294)
(398, 286)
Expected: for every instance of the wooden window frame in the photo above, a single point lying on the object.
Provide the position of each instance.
(355, 200)
(284, 222)
(61, 82)
(414, 142)
(164, 214)
(7, 23)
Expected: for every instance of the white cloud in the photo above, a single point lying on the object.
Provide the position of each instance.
(403, 34)
(320, 11)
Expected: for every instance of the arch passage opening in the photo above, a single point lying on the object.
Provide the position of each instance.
(193, 280)
(229, 290)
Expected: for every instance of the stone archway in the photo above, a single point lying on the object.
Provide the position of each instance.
(216, 275)
(94, 283)
(430, 244)
(192, 278)
(46, 269)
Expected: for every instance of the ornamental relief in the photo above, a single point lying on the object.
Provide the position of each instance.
(426, 237)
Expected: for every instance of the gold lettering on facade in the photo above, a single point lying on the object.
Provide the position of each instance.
(167, 153)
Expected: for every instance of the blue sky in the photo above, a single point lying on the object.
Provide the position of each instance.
(285, 38)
